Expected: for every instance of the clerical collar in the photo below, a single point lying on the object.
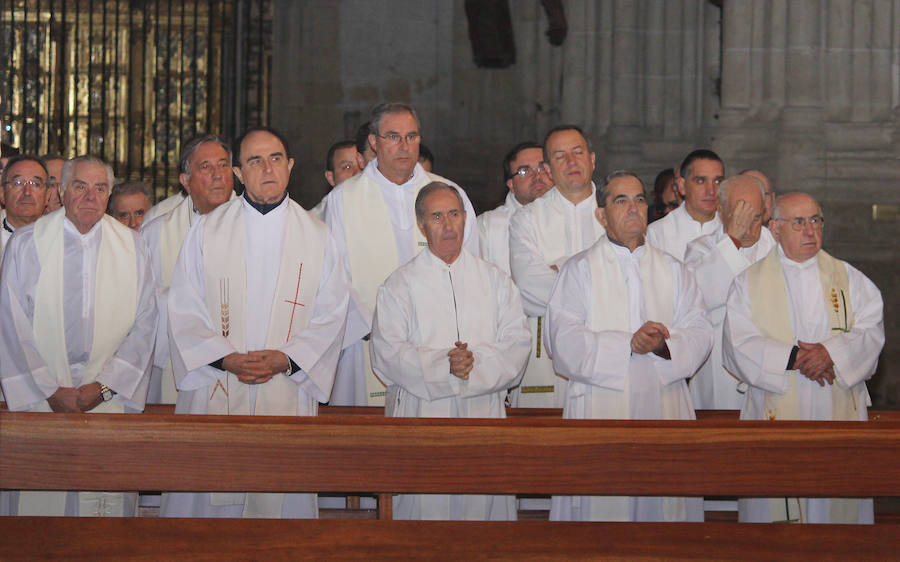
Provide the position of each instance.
(617, 243)
(264, 208)
(6, 226)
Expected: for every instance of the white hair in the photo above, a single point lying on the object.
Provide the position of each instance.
(69, 167)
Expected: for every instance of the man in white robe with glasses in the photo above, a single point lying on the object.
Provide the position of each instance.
(372, 218)
(804, 330)
(79, 309)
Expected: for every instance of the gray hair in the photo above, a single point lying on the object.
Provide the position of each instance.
(776, 209)
(390, 108)
(428, 190)
(725, 188)
(69, 169)
(603, 187)
(191, 146)
(129, 188)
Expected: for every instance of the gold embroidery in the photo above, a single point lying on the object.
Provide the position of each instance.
(224, 300)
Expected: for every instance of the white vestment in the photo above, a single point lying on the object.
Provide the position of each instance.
(165, 206)
(716, 261)
(282, 245)
(546, 233)
(494, 228)
(423, 308)
(673, 232)
(761, 361)
(319, 210)
(367, 234)
(164, 235)
(30, 375)
(603, 296)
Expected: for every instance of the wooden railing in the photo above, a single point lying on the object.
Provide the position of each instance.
(526, 454)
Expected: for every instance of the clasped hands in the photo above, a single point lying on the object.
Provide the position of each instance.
(82, 399)
(461, 360)
(650, 337)
(256, 367)
(814, 362)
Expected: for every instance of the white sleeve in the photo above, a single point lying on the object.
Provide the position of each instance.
(855, 353)
(500, 364)
(420, 370)
(746, 352)
(529, 271)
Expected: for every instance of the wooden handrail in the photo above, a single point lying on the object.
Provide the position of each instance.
(30, 538)
(518, 455)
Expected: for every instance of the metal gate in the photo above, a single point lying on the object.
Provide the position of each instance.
(130, 80)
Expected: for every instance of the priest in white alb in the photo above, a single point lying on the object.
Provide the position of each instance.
(542, 236)
(449, 338)
(804, 330)
(257, 309)
(715, 260)
(372, 218)
(627, 326)
(79, 310)
(207, 178)
(698, 181)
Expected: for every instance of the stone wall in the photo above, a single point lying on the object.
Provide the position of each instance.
(806, 90)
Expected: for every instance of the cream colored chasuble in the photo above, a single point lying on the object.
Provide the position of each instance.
(224, 255)
(115, 307)
(771, 314)
(372, 253)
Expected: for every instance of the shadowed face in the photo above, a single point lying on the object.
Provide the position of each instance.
(536, 180)
(25, 193)
(625, 214)
(701, 188)
(443, 224)
(264, 168)
(571, 162)
(211, 181)
(396, 160)
(130, 208)
(345, 164)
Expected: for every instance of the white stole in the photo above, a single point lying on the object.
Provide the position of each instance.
(115, 308)
(771, 314)
(610, 312)
(372, 252)
(224, 262)
(115, 299)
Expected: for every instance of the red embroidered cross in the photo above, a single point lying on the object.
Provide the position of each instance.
(295, 303)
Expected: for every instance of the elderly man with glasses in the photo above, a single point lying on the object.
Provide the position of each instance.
(804, 330)
(25, 193)
(372, 216)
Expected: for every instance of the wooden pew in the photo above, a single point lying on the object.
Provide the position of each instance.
(525, 455)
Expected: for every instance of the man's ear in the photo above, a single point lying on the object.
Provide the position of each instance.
(421, 226)
(237, 173)
(679, 185)
(183, 180)
(600, 213)
(329, 177)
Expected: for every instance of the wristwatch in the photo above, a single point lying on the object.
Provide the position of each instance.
(106, 392)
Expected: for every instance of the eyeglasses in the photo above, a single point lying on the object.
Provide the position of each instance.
(19, 183)
(528, 171)
(395, 138)
(797, 223)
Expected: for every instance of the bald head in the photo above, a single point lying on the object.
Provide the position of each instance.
(769, 189)
(797, 225)
(741, 200)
